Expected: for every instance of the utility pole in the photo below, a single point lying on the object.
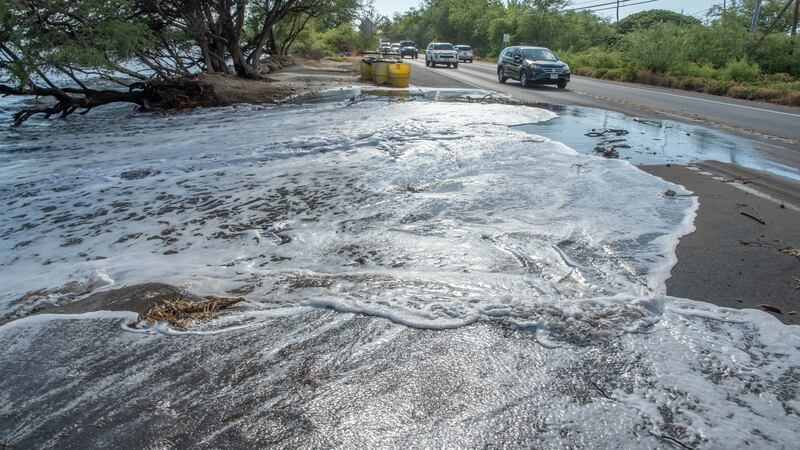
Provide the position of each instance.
(754, 23)
(771, 27)
(617, 11)
(794, 26)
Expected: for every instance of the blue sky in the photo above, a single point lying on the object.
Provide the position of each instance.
(690, 7)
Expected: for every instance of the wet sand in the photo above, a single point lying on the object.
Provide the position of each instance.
(296, 76)
(733, 260)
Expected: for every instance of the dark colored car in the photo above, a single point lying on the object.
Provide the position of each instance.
(408, 48)
(532, 65)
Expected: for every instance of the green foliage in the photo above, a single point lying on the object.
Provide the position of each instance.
(691, 69)
(596, 57)
(659, 48)
(86, 34)
(318, 42)
(718, 43)
(647, 19)
(741, 70)
(774, 56)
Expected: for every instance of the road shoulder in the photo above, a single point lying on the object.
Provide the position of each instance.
(733, 259)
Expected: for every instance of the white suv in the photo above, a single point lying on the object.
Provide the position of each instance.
(441, 53)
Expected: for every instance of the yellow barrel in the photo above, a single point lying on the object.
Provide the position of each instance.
(399, 74)
(380, 72)
(366, 70)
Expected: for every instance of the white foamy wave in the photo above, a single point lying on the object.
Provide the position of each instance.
(542, 271)
(432, 213)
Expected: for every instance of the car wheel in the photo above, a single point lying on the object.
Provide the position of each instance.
(427, 63)
(523, 79)
(455, 65)
(448, 65)
(561, 84)
(501, 75)
(470, 60)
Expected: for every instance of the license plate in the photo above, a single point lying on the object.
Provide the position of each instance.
(553, 76)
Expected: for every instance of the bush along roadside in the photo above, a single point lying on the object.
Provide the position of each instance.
(739, 78)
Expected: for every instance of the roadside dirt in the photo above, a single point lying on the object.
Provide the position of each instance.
(741, 255)
(300, 76)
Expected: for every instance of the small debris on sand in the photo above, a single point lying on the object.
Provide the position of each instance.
(770, 308)
(759, 220)
(180, 313)
(791, 251)
(607, 152)
(603, 133)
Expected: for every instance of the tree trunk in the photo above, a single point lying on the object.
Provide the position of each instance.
(170, 94)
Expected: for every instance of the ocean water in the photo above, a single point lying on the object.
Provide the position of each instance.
(417, 272)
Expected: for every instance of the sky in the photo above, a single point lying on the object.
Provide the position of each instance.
(690, 7)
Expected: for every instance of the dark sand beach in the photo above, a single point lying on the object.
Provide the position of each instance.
(732, 259)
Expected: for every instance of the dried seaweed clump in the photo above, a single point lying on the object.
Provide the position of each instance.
(180, 313)
(792, 251)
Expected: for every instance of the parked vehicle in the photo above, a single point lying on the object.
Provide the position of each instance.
(532, 65)
(464, 53)
(441, 53)
(409, 48)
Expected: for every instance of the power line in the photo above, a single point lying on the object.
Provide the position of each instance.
(600, 4)
(623, 6)
(591, 1)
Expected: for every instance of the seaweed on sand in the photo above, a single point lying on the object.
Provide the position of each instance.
(180, 313)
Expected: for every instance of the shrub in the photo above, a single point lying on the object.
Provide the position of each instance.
(659, 48)
(791, 99)
(717, 87)
(741, 70)
(718, 43)
(622, 74)
(646, 19)
(773, 56)
(694, 70)
(596, 58)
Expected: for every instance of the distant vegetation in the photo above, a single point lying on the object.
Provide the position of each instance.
(150, 50)
(654, 47)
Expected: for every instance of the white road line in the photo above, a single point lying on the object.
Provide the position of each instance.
(661, 92)
(689, 97)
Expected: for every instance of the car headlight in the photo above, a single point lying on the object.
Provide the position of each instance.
(566, 68)
(536, 67)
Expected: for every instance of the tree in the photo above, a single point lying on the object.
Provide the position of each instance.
(47, 50)
(151, 48)
(647, 19)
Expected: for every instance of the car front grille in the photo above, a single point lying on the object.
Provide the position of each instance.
(551, 69)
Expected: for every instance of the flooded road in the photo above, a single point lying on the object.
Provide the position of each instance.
(421, 270)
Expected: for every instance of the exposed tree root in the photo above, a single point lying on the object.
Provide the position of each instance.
(149, 95)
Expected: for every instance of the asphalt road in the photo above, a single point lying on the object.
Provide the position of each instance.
(747, 117)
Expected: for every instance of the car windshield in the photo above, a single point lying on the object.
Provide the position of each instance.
(407, 43)
(463, 47)
(538, 54)
(442, 46)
